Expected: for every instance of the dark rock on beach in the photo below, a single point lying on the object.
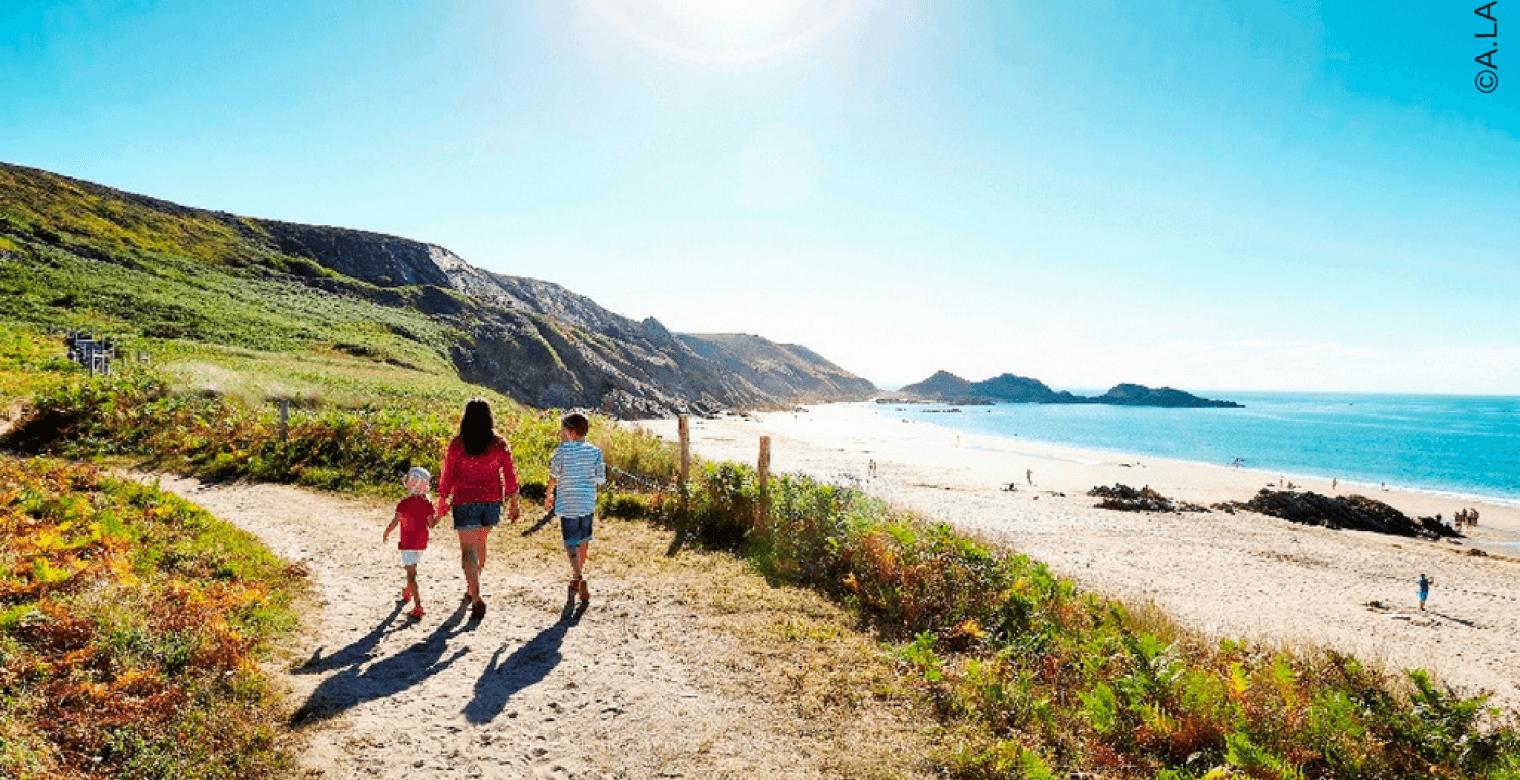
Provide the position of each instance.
(1357, 513)
(1124, 498)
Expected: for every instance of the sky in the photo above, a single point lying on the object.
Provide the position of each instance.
(1251, 195)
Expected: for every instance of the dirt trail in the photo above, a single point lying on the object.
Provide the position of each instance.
(637, 686)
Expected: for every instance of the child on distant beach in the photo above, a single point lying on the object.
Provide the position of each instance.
(575, 471)
(414, 514)
(1424, 584)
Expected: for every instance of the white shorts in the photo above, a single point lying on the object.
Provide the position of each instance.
(411, 557)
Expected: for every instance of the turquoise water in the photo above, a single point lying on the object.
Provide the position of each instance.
(1451, 444)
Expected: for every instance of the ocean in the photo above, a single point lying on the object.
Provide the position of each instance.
(1461, 445)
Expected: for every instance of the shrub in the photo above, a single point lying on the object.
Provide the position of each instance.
(131, 623)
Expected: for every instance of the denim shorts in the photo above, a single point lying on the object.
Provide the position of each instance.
(467, 516)
(576, 530)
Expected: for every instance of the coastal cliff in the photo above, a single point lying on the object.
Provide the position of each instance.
(138, 265)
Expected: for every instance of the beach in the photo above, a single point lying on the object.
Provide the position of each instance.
(1241, 576)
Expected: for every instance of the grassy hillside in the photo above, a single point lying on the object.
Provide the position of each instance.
(81, 255)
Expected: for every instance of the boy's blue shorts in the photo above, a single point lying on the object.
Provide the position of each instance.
(467, 516)
(576, 530)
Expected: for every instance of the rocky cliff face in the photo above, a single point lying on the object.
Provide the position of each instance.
(785, 371)
(540, 343)
(529, 339)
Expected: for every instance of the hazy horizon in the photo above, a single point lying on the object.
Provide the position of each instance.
(1281, 196)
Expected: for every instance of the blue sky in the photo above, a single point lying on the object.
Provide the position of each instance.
(1211, 196)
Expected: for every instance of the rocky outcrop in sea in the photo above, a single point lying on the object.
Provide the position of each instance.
(946, 387)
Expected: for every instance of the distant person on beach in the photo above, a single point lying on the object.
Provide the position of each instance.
(872, 468)
(1029, 476)
(478, 475)
(414, 515)
(1424, 583)
(575, 471)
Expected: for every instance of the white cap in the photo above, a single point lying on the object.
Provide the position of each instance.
(417, 479)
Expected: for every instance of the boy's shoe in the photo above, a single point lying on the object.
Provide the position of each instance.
(415, 614)
(585, 591)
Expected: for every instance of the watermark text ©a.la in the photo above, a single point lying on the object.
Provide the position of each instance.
(1488, 80)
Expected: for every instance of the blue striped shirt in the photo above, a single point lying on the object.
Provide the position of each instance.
(577, 469)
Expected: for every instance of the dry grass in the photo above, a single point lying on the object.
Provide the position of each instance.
(829, 686)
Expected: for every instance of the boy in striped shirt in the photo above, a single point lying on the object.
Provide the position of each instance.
(575, 471)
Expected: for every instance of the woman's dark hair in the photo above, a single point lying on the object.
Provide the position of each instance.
(477, 429)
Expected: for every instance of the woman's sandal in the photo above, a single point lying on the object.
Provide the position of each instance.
(585, 592)
(478, 611)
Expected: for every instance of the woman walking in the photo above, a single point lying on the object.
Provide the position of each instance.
(478, 475)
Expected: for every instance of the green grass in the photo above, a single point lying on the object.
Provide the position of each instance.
(355, 424)
(75, 256)
(29, 362)
(49, 207)
(176, 298)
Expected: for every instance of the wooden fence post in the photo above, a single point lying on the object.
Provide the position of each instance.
(683, 426)
(284, 420)
(764, 474)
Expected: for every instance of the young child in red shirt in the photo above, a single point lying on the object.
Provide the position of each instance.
(415, 516)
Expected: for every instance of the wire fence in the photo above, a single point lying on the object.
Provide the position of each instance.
(641, 481)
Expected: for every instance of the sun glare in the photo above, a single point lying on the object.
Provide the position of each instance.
(725, 33)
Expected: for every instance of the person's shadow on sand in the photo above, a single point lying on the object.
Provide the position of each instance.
(358, 683)
(529, 664)
(538, 525)
(1453, 618)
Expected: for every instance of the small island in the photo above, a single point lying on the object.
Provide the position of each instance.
(946, 387)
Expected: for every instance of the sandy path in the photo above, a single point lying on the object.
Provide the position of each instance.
(1239, 576)
(636, 687)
